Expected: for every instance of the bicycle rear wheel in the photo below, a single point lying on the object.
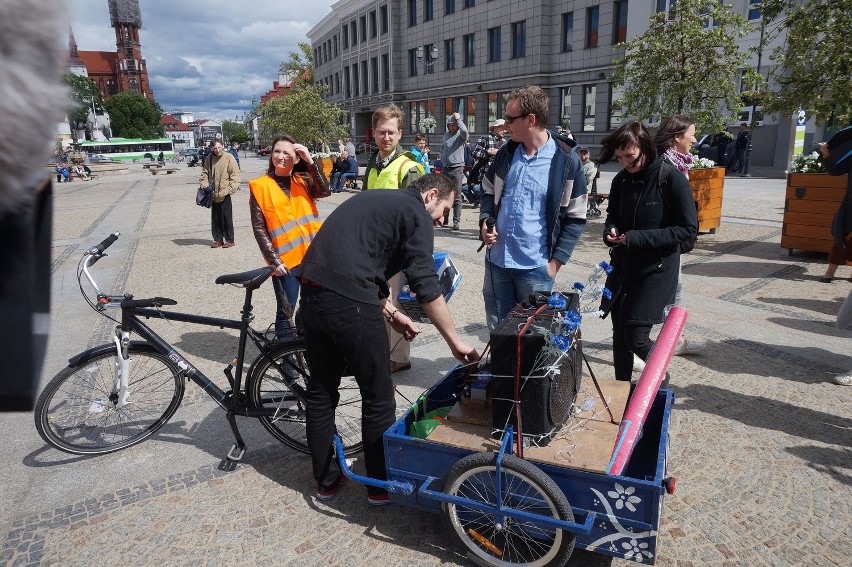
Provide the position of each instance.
(279, 381)
(78, 410)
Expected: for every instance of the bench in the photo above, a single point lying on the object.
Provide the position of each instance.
(156, 170)
(150, 164)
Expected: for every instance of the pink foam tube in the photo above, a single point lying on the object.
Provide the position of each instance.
(630, 430)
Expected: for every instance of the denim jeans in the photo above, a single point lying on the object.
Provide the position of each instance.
(503, 288)
(338, 179)
(473, 193)
(341, 333)
(456, 173)
(286, 294)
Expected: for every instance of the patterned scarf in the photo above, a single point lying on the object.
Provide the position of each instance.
(681, 161)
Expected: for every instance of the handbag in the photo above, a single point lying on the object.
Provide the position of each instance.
(204, 195)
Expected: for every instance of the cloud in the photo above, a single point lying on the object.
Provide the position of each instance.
(209, 58)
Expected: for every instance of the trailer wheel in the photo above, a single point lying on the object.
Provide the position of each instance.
(494, 540)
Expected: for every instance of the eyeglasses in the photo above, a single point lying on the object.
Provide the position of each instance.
(509, 119)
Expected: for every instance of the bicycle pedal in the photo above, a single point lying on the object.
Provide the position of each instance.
(236, 453)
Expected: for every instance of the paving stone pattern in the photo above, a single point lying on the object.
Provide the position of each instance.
(760, 437)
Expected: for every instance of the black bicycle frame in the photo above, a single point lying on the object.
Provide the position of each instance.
(130, 322)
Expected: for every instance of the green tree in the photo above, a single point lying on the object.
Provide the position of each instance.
(682, 65)
(233, 131)
(302, 113)
(83, 91)
(300, 67)
(813, 68)
(134, 116)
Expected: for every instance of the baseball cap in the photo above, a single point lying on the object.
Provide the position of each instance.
(498, 122)
(452, 120)
(582, 149)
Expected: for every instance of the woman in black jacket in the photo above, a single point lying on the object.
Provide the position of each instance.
(650, 213)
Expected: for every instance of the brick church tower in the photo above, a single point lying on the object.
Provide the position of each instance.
(131, 70)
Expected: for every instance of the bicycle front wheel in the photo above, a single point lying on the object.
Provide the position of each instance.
(504, 540)
(78, 412)
(279, 381)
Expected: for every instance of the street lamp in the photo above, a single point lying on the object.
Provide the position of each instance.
(428, 61)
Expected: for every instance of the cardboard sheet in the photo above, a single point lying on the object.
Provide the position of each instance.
(584, 442)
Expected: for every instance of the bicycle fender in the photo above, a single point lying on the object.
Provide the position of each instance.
(87, 355)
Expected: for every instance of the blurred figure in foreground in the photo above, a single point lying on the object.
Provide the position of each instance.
(32, 101)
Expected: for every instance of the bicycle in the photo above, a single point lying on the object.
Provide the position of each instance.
(113, 396)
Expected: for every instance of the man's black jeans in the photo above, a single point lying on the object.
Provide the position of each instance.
(342, 335)
(222, 220)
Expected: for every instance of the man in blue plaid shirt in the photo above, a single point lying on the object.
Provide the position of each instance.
(483, 154)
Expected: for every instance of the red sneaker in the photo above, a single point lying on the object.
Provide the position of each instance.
(328, 493)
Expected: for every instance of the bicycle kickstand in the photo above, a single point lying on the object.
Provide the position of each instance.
(238, 449)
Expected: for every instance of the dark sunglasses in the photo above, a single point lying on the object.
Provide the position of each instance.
(509, 119)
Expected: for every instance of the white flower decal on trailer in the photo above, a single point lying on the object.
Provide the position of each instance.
(624, 497)
(633, 547)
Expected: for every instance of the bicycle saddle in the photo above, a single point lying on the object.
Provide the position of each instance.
(249, 280)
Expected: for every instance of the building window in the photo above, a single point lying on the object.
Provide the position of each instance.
(337, 83)
(429, 66)
(428, 10)
(667, 7)
(365, 79)
(615, 115)
(412, 62)
(590, 94)
(567, 32)
(754, 10)
(345, 35)
(619, 27)
(412, 13)
(347, 83)
(468, 50)
(492, 107)
(494, 45)
(363, 21)
(356, 84)
(374, 30)
(354, 31)
(449, 7)
(449, 54)
(565, 107)
(335, 47)
(386, 71)
(592, 21)
(519, 39)
(374, 73)
(469, 3)
(383, 16)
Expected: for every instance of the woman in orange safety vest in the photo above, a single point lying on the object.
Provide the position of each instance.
(285, 219)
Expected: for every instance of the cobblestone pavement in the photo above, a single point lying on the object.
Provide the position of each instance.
(760, 437)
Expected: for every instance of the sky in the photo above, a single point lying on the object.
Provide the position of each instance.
(209, 58)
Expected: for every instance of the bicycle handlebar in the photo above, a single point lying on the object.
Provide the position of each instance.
(106, 243)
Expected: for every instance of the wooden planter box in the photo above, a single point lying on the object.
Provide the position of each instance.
(811, 201)
(707, 188)
(325, 166)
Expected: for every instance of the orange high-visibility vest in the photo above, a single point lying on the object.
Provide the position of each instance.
(292, 221)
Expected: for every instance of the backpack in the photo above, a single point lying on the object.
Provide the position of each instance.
(686, 246)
